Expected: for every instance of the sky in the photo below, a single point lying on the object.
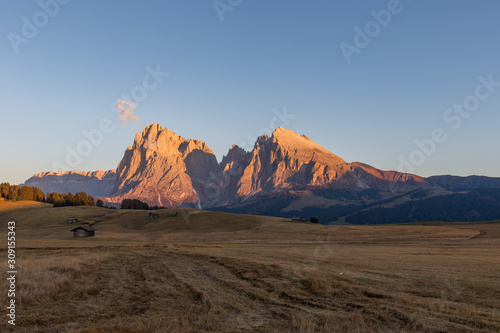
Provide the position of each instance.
(400, 85)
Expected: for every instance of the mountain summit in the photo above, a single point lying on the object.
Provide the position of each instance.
(288, 161)
(285, 173)
(164, 169)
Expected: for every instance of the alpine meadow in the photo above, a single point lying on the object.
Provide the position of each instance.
(250, 166)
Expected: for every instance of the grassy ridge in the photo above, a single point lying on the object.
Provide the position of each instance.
(44, 221)
(12, 206)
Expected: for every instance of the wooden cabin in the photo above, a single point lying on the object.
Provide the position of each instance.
(173, 213)
(83, 231)
(153, 215)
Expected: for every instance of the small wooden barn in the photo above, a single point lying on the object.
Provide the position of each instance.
(83, 231)
(72, 220)
(173, 213)
(153, 215)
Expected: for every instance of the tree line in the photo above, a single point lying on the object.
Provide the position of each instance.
(134, 204)
(23, 193)
(138, 204)
(62, 199)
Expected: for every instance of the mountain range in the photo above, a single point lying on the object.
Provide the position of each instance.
(285, 174)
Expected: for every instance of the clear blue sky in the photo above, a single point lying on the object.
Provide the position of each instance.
(227, 76)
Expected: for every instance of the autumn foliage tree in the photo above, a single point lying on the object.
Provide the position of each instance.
(18, 193)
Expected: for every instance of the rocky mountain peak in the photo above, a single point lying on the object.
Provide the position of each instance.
(303, 149)
(156, 139)
(165, 169)
(234, 153)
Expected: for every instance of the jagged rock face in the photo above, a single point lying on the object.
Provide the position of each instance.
(288, 161)
(165, 169)
(284, 174)
(97, 183)
(230, 172)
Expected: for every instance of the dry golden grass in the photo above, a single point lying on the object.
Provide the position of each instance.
(11, 206)
(43, 276)
(258, 276)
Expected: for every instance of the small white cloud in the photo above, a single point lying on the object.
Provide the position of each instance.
(126, 109)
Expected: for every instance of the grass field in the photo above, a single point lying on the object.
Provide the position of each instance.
(216, 272)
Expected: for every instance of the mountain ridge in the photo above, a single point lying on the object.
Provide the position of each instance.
(165, 169)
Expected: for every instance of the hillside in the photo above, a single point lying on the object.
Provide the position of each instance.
(42, 221)
(7, 206)
(46, 222)
(206, 271)
(461, 206)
